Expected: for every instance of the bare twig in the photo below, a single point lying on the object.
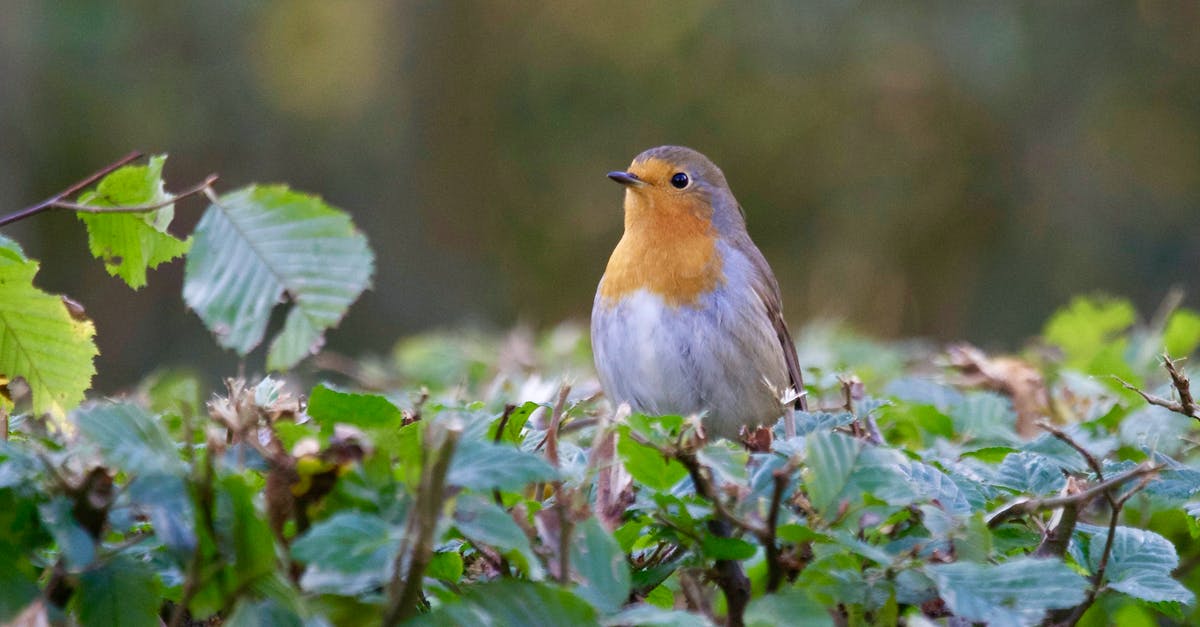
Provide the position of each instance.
(404, 591)
(774, 565)
(1021, 507)
(191, 191)
(70, 191)
(560, 495)
(1185, 405)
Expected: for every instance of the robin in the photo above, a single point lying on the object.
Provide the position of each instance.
(687, 317)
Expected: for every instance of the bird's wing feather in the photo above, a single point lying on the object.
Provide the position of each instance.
(767, 289)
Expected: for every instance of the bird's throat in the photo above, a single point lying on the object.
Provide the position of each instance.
(669, 249)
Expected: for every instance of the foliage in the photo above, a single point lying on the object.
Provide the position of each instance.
(449, 483)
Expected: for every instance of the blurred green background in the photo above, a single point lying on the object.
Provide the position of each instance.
(948, 169)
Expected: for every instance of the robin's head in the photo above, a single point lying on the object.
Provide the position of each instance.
(676, 181)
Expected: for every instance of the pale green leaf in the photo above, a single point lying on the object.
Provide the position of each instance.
(131, 243)
(261, 244)
(1017, 592)
(601, 563)
(39, 339)
(1139, 565)
(348, 553)
(1182, 334)
(128, 438)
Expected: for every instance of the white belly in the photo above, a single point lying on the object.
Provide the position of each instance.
(720, 357)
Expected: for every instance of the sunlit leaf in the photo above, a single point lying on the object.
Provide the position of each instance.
(131, 243)
(40, 341)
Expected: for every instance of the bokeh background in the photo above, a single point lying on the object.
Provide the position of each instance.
(947, 169)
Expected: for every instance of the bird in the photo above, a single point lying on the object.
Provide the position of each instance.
(688, 317)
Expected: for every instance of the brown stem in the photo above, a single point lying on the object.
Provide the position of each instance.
(403, 592)
(1186, 405)
(191, 191)
(70, 191)
(1030, 506)
(774, 565)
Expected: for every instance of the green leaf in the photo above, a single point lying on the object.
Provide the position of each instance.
(123, 592)
(482, 521)
(722, 548)
(17, 589)
(648, 615)
(1085, 325)
(1139, 565)
(39, 339)
(486, 466)
(516, 421)
(790, 606)
(131, 243)
(373, 413)
(807, 422)
(599, 560)
(1030, 473)
(511, 602)
(447, 566)
(259, 244)
(647, 465)
(831, 461)
(985, 416)
(348, 553)
(1182, 334)
(243, 531)
(1017, 592)
(128, 438)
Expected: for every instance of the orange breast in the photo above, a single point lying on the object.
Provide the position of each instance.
(669, 248)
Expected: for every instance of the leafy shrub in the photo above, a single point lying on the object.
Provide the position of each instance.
(457, 481)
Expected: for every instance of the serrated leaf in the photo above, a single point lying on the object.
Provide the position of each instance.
(985, 416)
(122, 592)
(131, 243)
(808, 422)
(261, 243)
(935, 485)
(831, 459)
(486, 466)
(348, 553)
(39, 339)
(373, 413)
(511, 602)
(599, 561)
(1017, 592)
(128, 438)
(1029, 473)
(1139, 565)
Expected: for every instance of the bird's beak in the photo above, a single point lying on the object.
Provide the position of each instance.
(627, 179)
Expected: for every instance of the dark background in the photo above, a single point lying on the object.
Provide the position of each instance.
(947, 169)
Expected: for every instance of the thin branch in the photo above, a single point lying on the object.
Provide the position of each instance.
(70, 191)
(403, 592)
(191, 191)
(560, 496)
(1185, 405)
(1031, 506)
(1087, 455)
(774, 565)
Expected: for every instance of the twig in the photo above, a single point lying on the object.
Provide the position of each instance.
(191, 191)
(774, 566)
(1098, 577)
(1087, 455)
(560, 496)
(70, 191)
(1185, 405)
(1030, 506)
(403, 592)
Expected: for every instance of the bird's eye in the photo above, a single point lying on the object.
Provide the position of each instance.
(679, 181)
